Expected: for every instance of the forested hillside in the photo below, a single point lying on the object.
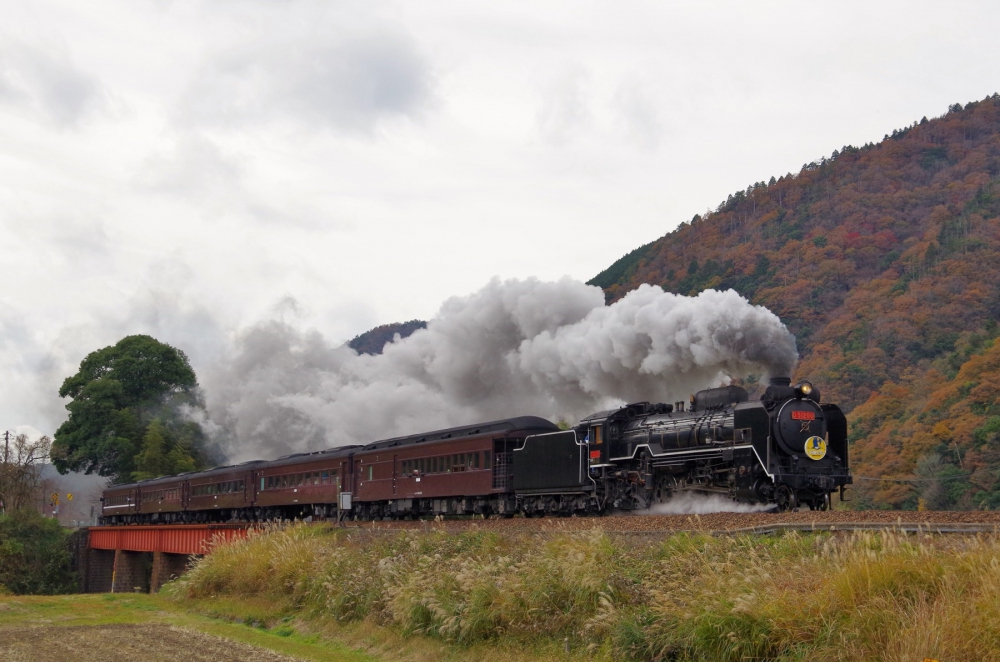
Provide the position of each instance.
(884, 260)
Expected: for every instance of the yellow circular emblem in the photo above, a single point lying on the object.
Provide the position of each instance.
(816, 448)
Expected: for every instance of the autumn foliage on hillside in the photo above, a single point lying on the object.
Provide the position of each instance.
(950, 426)
(884, 260)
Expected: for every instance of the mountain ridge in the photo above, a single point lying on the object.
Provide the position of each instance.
(374, 340)
(883, 260)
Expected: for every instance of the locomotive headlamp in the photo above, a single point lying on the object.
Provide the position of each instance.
(805, 388)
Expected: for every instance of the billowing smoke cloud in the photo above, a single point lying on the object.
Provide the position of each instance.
(552, 349)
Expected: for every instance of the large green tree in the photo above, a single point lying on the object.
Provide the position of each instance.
(124, 417)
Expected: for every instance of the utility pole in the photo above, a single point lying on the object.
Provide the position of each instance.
(3, 469)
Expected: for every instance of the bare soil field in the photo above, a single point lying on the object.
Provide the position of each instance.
(138, 627)
(124, 643)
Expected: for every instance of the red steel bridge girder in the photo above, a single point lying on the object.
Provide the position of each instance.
(172, 539)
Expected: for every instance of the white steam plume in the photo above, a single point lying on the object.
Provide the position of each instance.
(694, 503)
(551, 349)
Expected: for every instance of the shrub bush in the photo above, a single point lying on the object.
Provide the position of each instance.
(34, 557)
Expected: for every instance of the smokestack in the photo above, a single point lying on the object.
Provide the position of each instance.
(781, 381)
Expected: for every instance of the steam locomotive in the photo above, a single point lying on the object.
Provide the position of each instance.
(786, 449)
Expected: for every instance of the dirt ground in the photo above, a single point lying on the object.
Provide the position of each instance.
(123, 643)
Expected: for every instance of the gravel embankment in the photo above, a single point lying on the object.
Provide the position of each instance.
(705, 522)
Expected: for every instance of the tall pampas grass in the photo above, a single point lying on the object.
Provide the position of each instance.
(863, 596)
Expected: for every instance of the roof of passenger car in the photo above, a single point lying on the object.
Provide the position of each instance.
(315, 456)
(504, 426)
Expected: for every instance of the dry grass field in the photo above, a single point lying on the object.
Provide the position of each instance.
(351, 595)
(864, 596)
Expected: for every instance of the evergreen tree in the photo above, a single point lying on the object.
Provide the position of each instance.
(152, 461)
(124, 417)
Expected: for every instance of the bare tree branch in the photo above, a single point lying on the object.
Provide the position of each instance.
(21, 480)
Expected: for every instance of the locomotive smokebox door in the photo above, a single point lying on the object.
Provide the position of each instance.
(551, 461)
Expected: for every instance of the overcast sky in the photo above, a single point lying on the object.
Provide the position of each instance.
(189, 169)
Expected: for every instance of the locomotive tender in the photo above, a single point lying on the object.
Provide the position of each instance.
(786, 449)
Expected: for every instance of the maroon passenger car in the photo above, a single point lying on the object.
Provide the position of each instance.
(303, 484)
(224, 493)
(120, 503)
(163, 500)
(462, 470)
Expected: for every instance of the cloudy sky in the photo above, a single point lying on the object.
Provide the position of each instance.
(190, 169)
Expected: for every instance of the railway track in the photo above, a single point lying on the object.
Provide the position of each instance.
(969, 522)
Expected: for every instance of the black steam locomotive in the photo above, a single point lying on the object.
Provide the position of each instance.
(787, 449)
